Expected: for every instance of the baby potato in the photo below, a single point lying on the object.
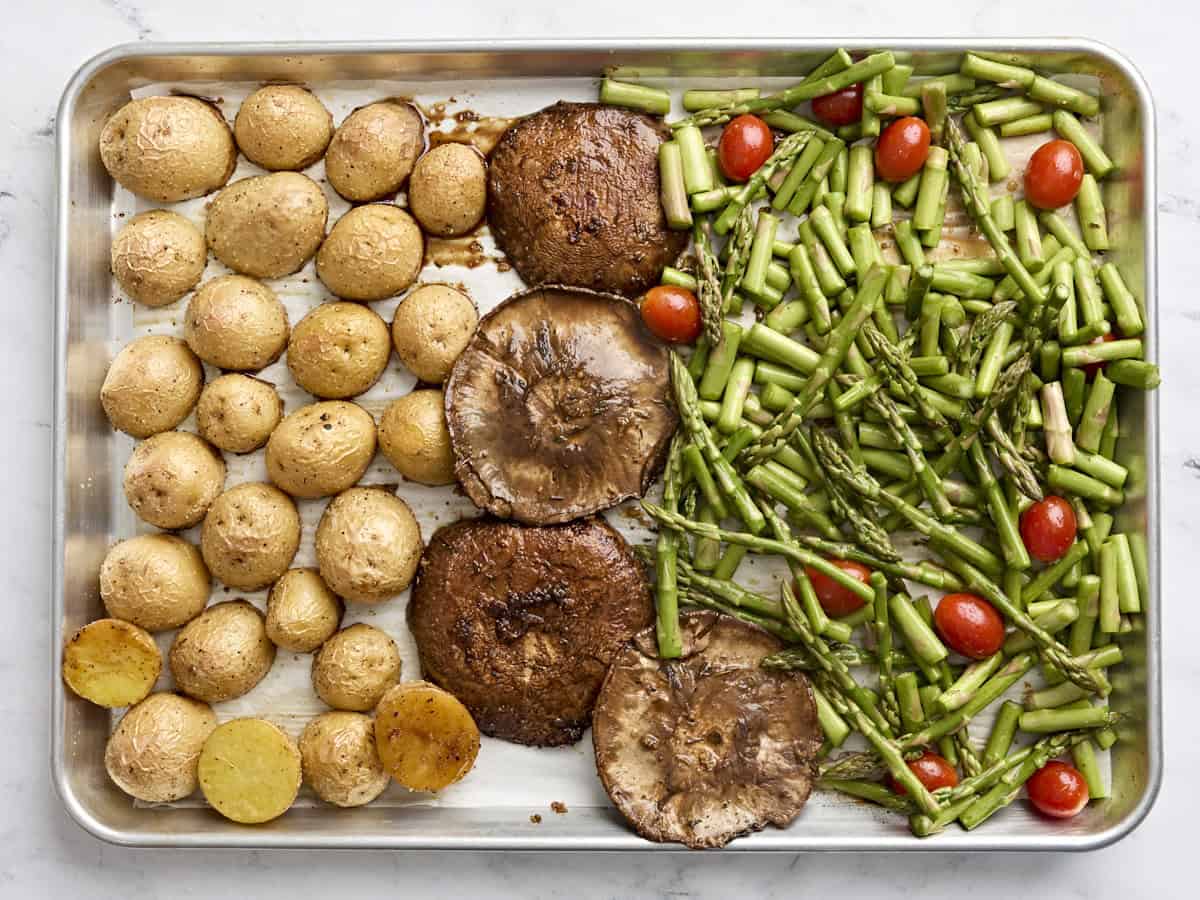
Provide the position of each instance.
(222, 653)
(414, 438)
(355, 667)
(372, 252)
(448, 189)
(234, 322)
(368, 545)
(337, 750)
(431, 328)
(283, 126)
(158, 256)
(155, 581)
(151, 385)
(155, 748)
(339, 350)
(168, 148)
(172, 478)
(237, 413)
(250, 535)
(302, 612)
(374, 149)
(321, 449)
(426, 738)
(249, 771)
(267, 226)
(111, 663)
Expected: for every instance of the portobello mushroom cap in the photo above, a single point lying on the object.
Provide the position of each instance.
(573, 198)
(520, 623)
(710, 746)
(560, 406)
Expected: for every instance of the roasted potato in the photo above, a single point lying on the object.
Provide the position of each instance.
(250, 535)
(158, 256)
(431, 327)
(372, 252)
(426, 739)
(321, 449)
(374, 149)
(222, 653)
(447, 191)
(154, 750)
(234, 322)
(111, 663)
(283, 126)
(302, 612)
(155, 581)
(267, 226)
(172, 478)
(368, 545)
(168, 148)
(237, 413)
(413, 436)
(339, 350)
(355, 667)
(151, 385)
(249, 771)
(340, 761)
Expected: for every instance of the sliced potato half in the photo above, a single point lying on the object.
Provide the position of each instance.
(250, 771)
(111, 663)
(426, 738)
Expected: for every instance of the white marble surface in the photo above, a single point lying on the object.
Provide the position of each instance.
(43, 854)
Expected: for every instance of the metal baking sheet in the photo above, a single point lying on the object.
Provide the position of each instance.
(493, 806)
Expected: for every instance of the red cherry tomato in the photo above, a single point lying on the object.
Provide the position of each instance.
(745, 145)
(1091, 369)
(672, 313)
(835, 599)
(1054, 173)
(901, 149)
(1057, 790)
(970, 625)
(842, 107)
(1048, 529)
(931, 770)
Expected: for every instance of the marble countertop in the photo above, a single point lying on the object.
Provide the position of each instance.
(43, 854)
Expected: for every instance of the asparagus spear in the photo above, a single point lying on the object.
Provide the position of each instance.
(708, 287)
(670, 642)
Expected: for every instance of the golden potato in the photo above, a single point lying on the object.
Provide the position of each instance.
(168, 148)
(448, 189)
(283, 126)
(151, 385)
(302, 612)
(155, 581)
(234, 322)
(222, 653)
(355, 667)
(339, 350)
(153, 752)
(172, 478)
(250, 535)
(111, 663)
(414, 438)
(374, 149)
(237, 413)
(321, 449)
(426, 738)
(158, 256)
(431, 328)
(373, 252)
(249, 771)
(267, 226)
(368, 545)
(337, 750)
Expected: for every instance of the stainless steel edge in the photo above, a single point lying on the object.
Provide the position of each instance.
(767, 841)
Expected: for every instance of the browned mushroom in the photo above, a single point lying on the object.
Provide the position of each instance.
(559, 406)
(520, 623)
(573, 198)
(709, 746)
